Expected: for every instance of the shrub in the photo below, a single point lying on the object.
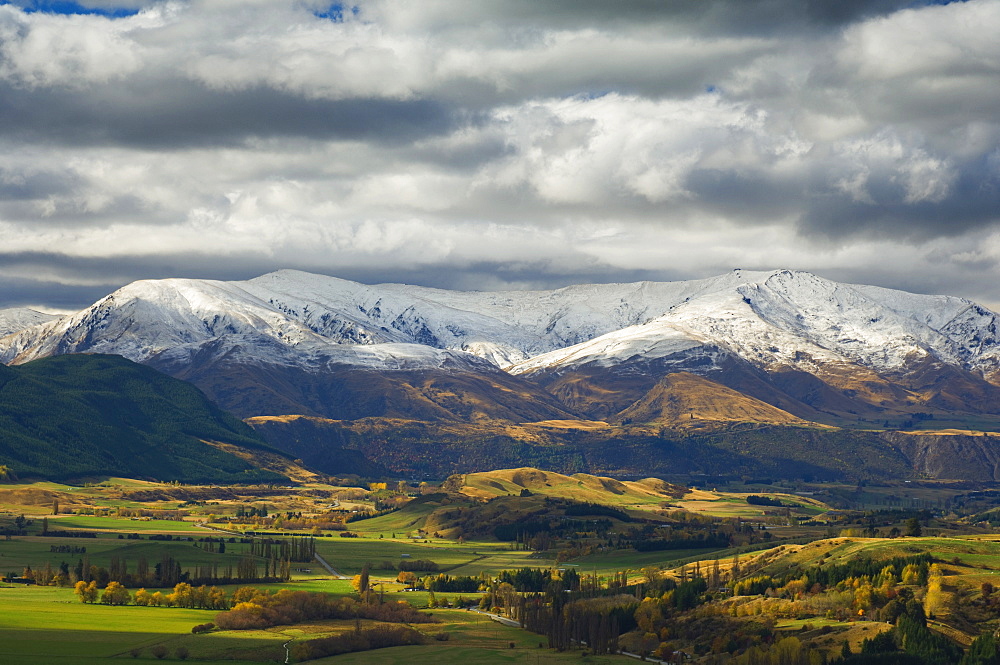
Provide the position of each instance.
(181, 652)
(202, 628)
(159, 651)
(443, 636)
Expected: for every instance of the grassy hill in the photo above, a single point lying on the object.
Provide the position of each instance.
(687, 400)
(99, 415)
(579, 487)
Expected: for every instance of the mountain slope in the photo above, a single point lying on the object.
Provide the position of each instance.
(81, 415)
(688, 400)
(18, 318)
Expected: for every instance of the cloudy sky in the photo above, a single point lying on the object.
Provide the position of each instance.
(482, 144)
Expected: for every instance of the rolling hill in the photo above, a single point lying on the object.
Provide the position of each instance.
(98, 415)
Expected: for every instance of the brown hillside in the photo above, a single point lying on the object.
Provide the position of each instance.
(683, 399)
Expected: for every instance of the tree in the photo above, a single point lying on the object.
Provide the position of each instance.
(159, 651)
(86, 592)
(115, 594)
(362, 583)
(913, 527)
(181, 653)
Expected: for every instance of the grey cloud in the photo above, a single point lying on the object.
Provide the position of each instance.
(26, 292)
(731, 16)
(971, 204)
(182, 114)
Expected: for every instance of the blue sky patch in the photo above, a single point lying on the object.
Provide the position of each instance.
(335, 12)
(70, 8)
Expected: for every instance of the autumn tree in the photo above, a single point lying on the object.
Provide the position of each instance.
(86, 591)
(115, 594)
(362, 583)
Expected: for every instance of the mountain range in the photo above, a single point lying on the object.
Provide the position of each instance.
(780, 348)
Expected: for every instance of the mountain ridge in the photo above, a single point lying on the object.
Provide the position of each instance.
(779, 347)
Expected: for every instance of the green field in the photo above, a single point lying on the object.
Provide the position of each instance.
(349, 555)
(123, 525)
(47, 625)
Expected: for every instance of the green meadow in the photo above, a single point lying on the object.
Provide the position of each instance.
(124, 525)
(49, 626)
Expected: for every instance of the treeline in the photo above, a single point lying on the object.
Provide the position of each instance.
(864, 567)
(909, 570)
(184, 595)
(705, 541)
(301, 549)
(167, 572)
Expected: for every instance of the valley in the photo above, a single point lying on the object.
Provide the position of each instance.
(472, 536)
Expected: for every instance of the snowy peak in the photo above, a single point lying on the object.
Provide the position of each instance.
(17, 319)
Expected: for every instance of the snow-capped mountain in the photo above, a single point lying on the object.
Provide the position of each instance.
(18, 318)
(796, 319)
(792, 339)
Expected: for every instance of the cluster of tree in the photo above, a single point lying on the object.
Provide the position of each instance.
(449, 584)
(758, 500)
(296, 549)
(912, 636)
(418, 565)
(787, 651)
(69, 534)
(912, 570)
(704, 541)
(67, 549)
(183, 595)
(689, 532)
(526, 579)
(360, 639)
(252, 511)
(256, 609)
(596, 622)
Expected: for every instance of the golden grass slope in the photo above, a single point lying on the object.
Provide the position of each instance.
(683, 400)
(579, 487)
